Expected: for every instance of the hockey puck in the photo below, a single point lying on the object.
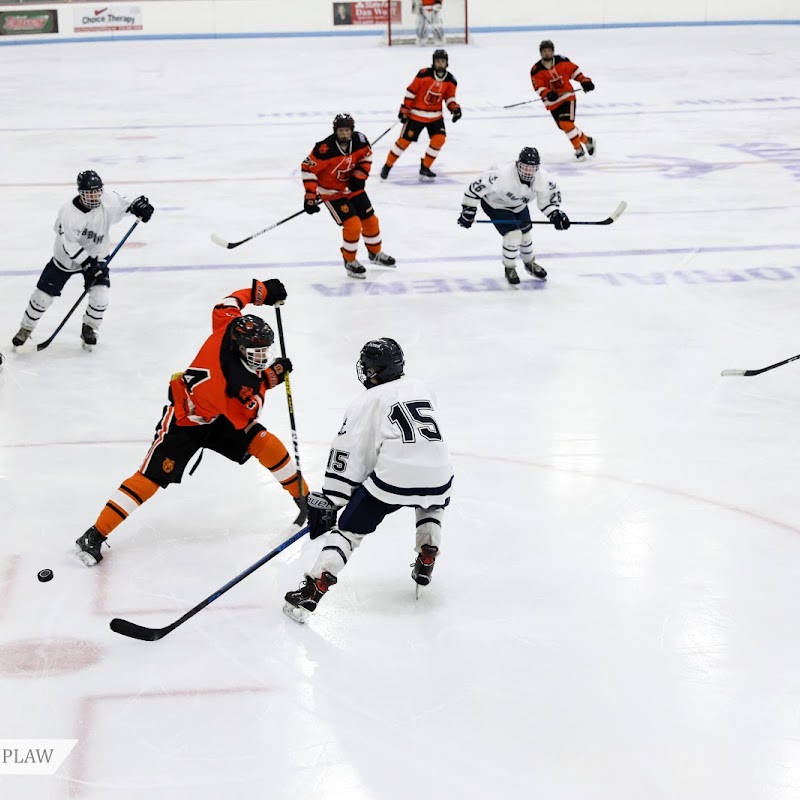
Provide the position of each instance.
(45, 575)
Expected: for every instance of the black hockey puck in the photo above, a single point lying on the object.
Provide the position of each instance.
(45, 575)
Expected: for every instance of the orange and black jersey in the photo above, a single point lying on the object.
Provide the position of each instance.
(557, 78)
(217, 383)
(333, 171)
(426, 94)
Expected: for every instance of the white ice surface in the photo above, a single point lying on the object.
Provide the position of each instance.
(614, 612)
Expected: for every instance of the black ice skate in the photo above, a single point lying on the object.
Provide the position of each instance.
(87, 547)
(382, 259)
(89, 337)
(591, 146)
(20, 337)
(298, 605)
(385, 169)
(511, 275)
(580, 154)
(425, 173)
(355, 270)
(423, 566)
(532, 268)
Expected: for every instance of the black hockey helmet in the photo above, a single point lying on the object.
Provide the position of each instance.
(546, 44)
(440, 54)
(380, 361)
(343, 121)
(90, 188)
(528, 163)
(252, 338)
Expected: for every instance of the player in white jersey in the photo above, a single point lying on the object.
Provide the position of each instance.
(504, 192)
(389, 453)
(81, 247)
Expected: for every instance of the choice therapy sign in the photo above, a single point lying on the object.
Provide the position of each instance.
(26, 23)
(106, 18)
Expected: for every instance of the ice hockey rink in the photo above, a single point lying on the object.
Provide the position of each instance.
(613, 614)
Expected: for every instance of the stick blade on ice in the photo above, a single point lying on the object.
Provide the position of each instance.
(734, 372)
(220, 241)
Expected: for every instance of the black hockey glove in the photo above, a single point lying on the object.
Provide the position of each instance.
(402, 114)
(551, 96)
(276, 372)
(587, 86)
(270, 292)
(356, 184)
(90, 266)
(321, 514)
(560, 220)
(456, 113)
(311, 204)
(141, 208)
(467, 216)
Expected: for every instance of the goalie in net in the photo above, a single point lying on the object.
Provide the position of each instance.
(422, 22)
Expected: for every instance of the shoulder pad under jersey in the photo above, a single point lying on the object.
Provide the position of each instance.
(361, 138)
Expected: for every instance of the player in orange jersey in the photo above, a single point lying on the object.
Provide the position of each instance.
(335, 173)
(552, 78)
(213, 405)
(422, 108)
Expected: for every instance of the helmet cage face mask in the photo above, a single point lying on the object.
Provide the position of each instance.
(256, 358)
(527, 172)
(91, 198)
(253, 339)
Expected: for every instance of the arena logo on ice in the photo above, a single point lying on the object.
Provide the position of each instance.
(616, 279)
(108, 18)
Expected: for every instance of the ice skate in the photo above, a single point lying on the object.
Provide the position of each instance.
(87, 547)
(591, 146)
(423, 566)
(301, 603)
(355, 269)
(532, 268)
(511, 275)
(425, 174)
(382, 259)
(89, 337)
(580, 154)
(20, 337)
(385, 170)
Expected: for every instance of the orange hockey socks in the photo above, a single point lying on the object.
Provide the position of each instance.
(131, 494)
(271, 453)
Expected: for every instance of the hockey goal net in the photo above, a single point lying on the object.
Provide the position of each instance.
(412, 22)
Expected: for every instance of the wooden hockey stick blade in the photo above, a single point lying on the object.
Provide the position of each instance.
(736, 372)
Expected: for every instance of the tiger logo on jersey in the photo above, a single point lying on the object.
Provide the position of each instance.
(168, 465)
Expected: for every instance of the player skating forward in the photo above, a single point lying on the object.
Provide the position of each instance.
(504, 192)
(335, 173)
(80, 248)
(430, 29)
(552, 78)
(389, 453)
(421, 110)
(214, 404)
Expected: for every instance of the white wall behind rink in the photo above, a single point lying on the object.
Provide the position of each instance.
(176, 18)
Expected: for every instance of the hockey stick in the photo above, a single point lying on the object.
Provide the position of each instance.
(288, 384)
(615, 215)
(375, 141)
(230, 245)
(47, 342)
(749, 372)
(514, 105)
(135, 631)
